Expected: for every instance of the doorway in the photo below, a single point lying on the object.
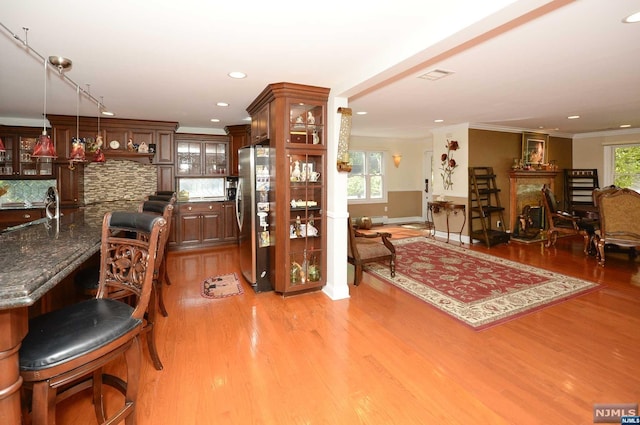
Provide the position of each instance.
(428, 182)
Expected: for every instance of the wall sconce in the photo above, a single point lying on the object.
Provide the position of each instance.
(396, 159)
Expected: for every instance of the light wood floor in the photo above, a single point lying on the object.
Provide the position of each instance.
(384, 357)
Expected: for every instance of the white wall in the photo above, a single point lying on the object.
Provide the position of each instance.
(409, 175)
(460, 176)
(588, 149)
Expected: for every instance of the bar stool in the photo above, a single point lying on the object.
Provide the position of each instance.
(165, 210)
(88, 279)
(65, 351)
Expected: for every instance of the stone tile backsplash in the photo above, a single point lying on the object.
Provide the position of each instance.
(114, 180)
(25, 191)
(117, 180)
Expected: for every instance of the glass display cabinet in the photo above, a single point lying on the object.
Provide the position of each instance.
(296, 116)
(306, 219)
(17, 160)
(201, 158)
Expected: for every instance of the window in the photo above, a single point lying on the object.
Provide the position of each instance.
(624, 165)
(366, 183)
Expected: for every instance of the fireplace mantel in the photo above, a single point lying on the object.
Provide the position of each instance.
(525, 188)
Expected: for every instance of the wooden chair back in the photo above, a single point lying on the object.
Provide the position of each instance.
(366, 248)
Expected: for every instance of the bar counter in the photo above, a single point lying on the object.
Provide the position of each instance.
(34, 258)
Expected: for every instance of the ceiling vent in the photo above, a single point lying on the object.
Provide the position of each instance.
(435, 74)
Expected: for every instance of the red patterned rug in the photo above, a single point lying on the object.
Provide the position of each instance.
(478, 289)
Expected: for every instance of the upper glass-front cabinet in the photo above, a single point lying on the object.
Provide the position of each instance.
(306, 124)
(201, 158)
(18, 161)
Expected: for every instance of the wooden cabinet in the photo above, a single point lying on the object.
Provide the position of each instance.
(202, 224)
(260, 124)
(298, 134)
(16, 162)
(239, 136)
(157, 135)
(201, 155)
(230, 223)
(70, 184)
(166, 178)
(10, 218)
(164, 151)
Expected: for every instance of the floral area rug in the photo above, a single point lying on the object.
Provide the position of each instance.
(221, 286)
(478, 289)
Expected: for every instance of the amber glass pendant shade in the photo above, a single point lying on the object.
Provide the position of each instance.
(77, 150)
(44, 147)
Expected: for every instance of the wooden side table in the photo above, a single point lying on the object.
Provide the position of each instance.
(447, 208)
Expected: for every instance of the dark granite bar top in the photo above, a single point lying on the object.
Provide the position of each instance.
(35, 258)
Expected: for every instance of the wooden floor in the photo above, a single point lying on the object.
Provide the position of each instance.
(385, 357)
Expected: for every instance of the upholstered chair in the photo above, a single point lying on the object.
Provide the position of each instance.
(619, 212)
(366, 248)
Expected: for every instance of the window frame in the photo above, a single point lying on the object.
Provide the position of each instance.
(609, 160)
(383, 160)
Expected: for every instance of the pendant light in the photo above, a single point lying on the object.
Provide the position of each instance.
(44, 147)
(98, 156)
(77, 144)
(3, 153)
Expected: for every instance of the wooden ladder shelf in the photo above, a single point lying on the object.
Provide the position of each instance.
(485, 208)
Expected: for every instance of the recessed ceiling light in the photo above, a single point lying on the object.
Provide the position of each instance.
(625, 125)
(435, 74)
(573, 117)
(361, 113)
(237, 75)
(632, 19)
(246, 119)
(222, 104)
(215, 120)
(438, 120)
(107, 113)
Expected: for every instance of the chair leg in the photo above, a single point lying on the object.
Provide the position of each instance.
(553, 237)
(161, 279)
(357, 274)
(600, 255)
(98, 397)
(149, 328)
(392, 266)
(133, 358)
(43, 407)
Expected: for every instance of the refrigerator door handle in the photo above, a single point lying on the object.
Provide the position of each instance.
(239, 217)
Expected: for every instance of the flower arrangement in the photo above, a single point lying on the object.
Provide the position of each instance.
(448, 164)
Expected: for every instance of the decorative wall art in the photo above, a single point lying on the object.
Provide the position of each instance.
(534, 148)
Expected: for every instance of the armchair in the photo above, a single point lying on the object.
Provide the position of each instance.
(619, 221)
(368, 248)
(561, 222)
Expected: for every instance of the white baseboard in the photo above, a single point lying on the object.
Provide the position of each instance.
(402, 220)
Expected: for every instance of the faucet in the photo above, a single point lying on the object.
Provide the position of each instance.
(52, 203)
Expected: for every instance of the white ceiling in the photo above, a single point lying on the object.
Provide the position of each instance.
(525, 64)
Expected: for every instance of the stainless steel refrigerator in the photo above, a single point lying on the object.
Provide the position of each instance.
(254, 206)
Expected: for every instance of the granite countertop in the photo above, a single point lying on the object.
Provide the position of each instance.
(35, 258)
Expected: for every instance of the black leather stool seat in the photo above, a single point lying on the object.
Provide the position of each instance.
(166, 198)
(63, 335)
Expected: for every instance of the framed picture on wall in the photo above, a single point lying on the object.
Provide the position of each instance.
(534, 148)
